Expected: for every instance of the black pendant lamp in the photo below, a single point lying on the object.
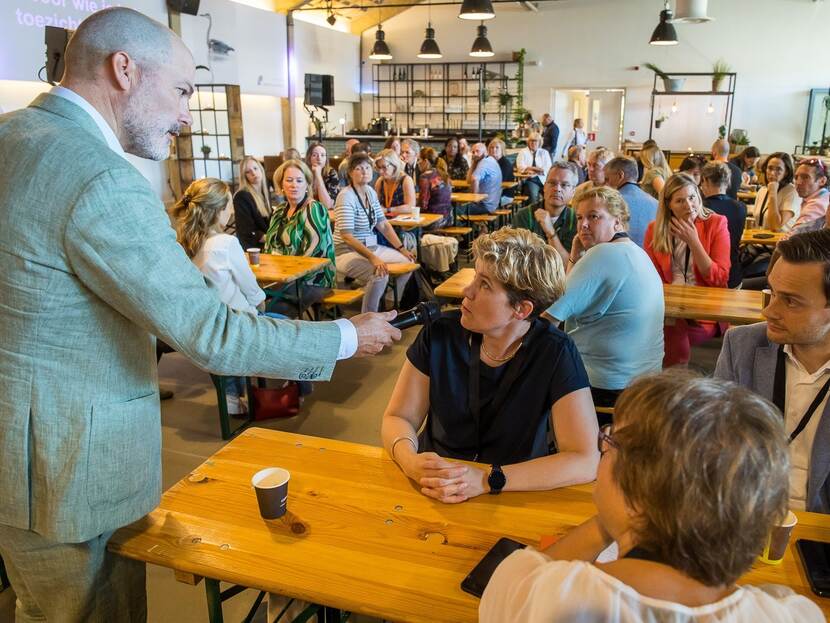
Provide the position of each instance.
(664, 34)
(429, 48)
(380, 51)
(477, 9)
(481, 46)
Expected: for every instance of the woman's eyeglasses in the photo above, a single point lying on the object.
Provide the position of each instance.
(604, 440)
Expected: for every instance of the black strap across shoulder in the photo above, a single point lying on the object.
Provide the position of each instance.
(779, 394)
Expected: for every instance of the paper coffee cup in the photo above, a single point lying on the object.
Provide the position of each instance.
(779, 538)
(271, 486)
(767, 297)
(416, 213)
(253, 255)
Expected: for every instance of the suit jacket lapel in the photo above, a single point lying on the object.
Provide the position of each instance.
(64, 108)
(819, 461)
(763, 371)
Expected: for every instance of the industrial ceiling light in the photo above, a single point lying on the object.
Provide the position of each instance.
(380, 51)
(477, 9)
(481, 46)
(429, 48)
(664, 34)
(691, 12)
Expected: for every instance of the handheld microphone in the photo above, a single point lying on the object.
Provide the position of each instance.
(422, 313)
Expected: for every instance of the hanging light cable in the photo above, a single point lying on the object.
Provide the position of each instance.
(429, 48)
(664, 34)
(481, 46)
(380, 51)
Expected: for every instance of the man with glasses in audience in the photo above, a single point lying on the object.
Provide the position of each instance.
(484, 177)
(622, 174)
(555, 221)
(597, 160)
(787, 360)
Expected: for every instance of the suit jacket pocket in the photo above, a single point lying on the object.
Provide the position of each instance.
(124, 451)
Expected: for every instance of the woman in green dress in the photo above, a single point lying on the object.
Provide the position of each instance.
(300, 226)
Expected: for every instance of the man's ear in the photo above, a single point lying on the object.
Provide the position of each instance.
(123, 70)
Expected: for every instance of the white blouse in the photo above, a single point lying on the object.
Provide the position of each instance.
(788, 201)
(222, 260)
(529, 587)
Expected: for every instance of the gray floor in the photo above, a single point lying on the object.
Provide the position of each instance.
(348, 408)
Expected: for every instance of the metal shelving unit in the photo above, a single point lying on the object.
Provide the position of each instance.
(730, 80)
(446, 97)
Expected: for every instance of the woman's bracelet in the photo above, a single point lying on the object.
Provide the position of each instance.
(399, 248)
(394, 443)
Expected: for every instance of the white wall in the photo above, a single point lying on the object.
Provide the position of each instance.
(777, 48)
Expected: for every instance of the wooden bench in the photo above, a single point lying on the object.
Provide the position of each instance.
(335, 299)
(397, 270)
(504, 216)
(486, 219)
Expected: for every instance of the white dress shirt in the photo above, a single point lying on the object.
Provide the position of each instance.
(348, 332)
(525, 160)
(802, 388)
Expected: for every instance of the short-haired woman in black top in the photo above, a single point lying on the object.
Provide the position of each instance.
(492, 381)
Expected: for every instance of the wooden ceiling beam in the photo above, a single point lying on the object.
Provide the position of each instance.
(362, 21)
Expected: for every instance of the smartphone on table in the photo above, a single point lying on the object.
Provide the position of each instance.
(476, 581)
(816, 558)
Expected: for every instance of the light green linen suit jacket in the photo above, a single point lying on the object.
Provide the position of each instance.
(90, 271)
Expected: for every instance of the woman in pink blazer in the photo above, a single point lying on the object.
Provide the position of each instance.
(688, 244)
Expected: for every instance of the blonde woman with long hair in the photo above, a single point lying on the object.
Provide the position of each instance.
(689, 245)
(252, 204)
(201, 215)
(655, 170)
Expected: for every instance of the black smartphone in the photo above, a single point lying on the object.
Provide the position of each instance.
(764, 236)
(477, 580)
(816, 558)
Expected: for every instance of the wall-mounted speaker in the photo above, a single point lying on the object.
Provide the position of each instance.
(319, 90)
(191, 7)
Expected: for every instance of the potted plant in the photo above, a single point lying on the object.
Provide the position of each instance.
(206, 150)
(719, 71)
(671, 85)
(722, 131)
(505, 98)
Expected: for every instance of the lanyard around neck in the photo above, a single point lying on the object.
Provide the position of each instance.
(779, 394)
(369, 212)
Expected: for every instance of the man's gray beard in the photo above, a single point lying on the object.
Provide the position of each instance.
(142, 131)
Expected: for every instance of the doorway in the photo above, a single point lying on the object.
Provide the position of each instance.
(602, 111)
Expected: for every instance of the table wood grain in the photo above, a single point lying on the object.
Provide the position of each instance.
(464, 185)
(285, 269)
(358, 534)
(468, 197)
(747, 195)
(690, 302)
(750, 236)
(426, 219)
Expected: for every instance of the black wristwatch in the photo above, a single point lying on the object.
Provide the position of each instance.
(496, 480)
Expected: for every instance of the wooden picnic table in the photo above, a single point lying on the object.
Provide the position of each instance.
(284, 269)
(463, 185)
(768, 238)
(358, 535)
(747, 195)
(468, 197)
(404, 221)
(690, 302)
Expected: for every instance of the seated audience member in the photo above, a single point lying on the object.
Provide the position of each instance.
(692, 477)
(301, 226)
(720, 153)
(597, 160)
(325, 182)
(358, 219)
(576, 138)
(496, 149)
(655, 170)
(649, 142)
(485, 178)
(291, 154)
(715, 181)
(689, 244)
(200, 216)
(693, 167)
(787, 360)
(465, 151)
(621, 174)
(491, 381)
(811, 185)
(251, 204)
(533, 159)
(344, 161)
(393, 143)
(434, 184)
(777, 205)
(555, 221)
(577, 157)
(613, 302)
(457, 165)
(394, 187)
(409, 156)
(746, 161)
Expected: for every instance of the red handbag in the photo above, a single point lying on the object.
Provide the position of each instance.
(275, 402)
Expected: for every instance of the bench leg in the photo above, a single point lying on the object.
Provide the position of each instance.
(224, 417)
(214, 600)
(4, 579)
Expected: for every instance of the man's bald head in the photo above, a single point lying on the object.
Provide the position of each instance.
(720, 149)
(118, 29)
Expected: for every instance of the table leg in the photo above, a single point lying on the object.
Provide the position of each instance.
(214, 600)
(4, 579)
(417, 232)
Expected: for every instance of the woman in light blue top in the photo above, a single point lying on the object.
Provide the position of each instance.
(613, 302)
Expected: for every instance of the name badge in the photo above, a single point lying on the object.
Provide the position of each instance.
(371, 241)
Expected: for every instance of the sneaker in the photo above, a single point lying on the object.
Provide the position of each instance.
(236, 405)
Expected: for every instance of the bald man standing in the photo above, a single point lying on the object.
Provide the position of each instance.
(90, 271)
(720, 153)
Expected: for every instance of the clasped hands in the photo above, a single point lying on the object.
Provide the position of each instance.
(444, 480)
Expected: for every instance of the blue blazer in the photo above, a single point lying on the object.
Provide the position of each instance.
(748, 358)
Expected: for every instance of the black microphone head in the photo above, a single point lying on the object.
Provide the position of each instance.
(430, 311)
